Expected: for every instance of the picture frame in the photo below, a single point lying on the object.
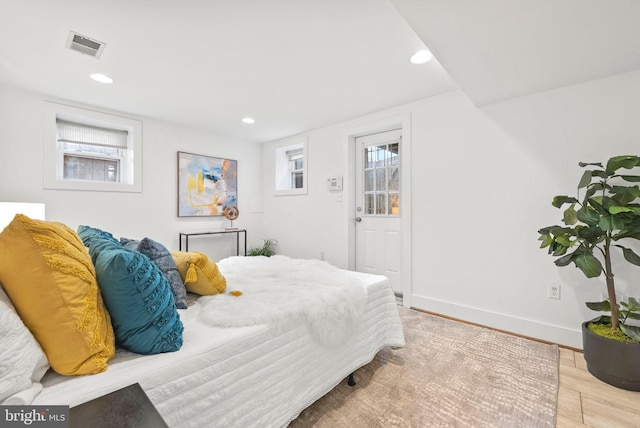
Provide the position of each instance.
(207, 185)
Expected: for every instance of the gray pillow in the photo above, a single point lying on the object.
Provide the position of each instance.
(161, 257)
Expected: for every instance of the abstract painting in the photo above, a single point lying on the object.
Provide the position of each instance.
(206, 185)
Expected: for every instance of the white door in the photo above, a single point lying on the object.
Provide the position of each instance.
(378, 242)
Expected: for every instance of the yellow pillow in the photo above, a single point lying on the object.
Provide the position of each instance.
(199, 274)
(48, 274)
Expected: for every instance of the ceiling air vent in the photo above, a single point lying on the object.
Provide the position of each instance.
(85, 45)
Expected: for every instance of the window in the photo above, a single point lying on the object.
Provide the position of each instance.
(378, 166)
(291, 167)
(90, 153)
(89, 150)
(296, 164)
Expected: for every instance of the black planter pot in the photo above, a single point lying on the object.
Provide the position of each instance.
(611, 361)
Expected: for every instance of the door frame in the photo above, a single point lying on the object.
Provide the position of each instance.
(401, 121)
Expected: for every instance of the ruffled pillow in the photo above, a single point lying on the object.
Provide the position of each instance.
(137, 294)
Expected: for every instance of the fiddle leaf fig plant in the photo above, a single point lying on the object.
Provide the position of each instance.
(595, 226)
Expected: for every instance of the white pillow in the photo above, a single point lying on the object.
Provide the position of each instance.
(22, 361)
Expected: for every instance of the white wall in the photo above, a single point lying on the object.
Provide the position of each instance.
(153, 212)
(482, 184)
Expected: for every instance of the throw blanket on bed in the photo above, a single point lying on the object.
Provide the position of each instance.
(280, 288)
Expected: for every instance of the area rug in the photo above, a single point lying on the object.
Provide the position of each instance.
(450, 374)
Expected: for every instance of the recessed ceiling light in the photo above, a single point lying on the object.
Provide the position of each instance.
(248, 120)
(421, 57)
(98, 77)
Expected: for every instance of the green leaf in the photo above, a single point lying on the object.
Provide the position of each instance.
(564, 240)
(617, 162)
(603, 306)
(591, 190)
(632, 192)
(632, 307)
(634, 234)
(599, 173)
(558, 249)
(607, 201)
(548, 229)
(588, 215)
(630, 256)
(605, 319)
(560, 200)
(632, 331)
(583, 164)
(564, 260)
(569, 216)
(610, 222)
(596, 203)
(619, 209)
(585, 180)
(590, 234)
(589, 265)
(630, 178)
(546, 240)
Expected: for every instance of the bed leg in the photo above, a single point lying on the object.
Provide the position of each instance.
(351, 381)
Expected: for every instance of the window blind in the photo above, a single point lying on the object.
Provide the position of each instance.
(79, 133)
(294, 153)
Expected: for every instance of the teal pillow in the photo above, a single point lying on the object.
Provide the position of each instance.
(96, 240)
(136, 294)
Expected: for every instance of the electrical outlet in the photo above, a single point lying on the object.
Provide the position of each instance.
(554, 291)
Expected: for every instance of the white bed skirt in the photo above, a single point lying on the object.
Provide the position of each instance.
(254, 376)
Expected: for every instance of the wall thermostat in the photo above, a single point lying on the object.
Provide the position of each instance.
(334, 183)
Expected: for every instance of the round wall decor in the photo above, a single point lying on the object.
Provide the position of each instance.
(231, 212)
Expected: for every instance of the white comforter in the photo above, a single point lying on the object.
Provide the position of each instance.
(258, 375)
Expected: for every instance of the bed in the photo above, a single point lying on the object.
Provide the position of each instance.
(260, 358)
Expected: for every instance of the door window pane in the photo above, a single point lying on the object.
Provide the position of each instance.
(380, 155)
(369, 206)
(394, 204)
(394, 179)
(393, 154)
(380, 184)
(369, 157)
(368, 181)
(381, 203)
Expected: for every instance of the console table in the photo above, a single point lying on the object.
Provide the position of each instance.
(218, 232)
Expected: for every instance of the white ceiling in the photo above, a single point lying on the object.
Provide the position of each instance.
(296, 65)
(502, 49)
(293, 65)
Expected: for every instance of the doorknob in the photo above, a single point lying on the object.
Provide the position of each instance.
(358, 219)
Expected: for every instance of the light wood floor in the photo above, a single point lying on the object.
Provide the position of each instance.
(584, 401)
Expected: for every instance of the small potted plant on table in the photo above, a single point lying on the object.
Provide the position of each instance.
(594, 227)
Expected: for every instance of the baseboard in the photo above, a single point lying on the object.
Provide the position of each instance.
(571, 338)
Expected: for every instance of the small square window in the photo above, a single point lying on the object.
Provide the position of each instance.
(89, 150)
(291, 168)
(90, 153)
